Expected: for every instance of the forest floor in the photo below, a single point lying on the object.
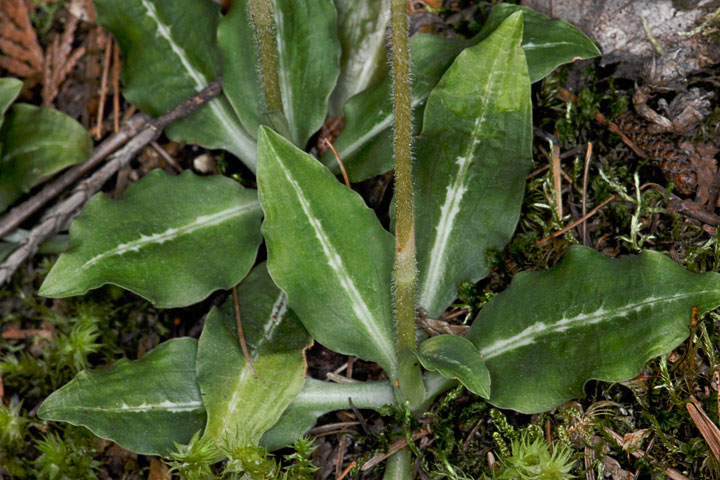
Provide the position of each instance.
(656, 188)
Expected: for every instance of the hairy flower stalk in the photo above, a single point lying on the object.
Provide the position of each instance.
(261, 16)
(405, 264)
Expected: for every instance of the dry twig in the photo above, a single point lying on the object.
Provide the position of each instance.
(103, 85)
(59, 61)
(577, 222)
(588, 156)
(241, 335)
(59, 217)
(394, 448)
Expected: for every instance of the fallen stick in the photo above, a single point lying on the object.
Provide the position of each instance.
(59, 217)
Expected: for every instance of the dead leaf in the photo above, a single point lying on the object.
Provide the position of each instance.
(612, 468)
(633, 440)
(158, 470)
(59, 61)
(708, 429)
(20, 52)
(82, 9)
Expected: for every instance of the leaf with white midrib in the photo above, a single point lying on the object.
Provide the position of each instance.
(240, 406)
(36, 142)
(143, 406)
(472, 158)
(327, 251)
(364, 144)
(590, 317)
(308, 54)
(205, 238)
(184, 59)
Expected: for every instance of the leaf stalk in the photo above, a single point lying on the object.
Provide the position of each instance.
(262, 18)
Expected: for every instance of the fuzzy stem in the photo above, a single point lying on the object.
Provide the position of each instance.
(405, 268)
(261, 16)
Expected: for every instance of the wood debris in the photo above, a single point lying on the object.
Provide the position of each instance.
(60, 60)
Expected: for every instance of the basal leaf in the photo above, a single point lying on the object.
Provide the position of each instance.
(361, 29)
(171, 240)
(318, 398)
(239, 406)
(9, 90)
(590, 317)
(548, 43)
(308, 62)
(242, 80)
(369, 116)
(37, 142)
(328, 252)
(143, 406)
(456, 357)
(170, 53)
(472, 158)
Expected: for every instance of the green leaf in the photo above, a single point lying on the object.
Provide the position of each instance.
(472, 158)
(369, 116)
(184, 58)
(242, 80)
(171, 240)
(328, 252)
(9, 90)
(547, 43)
(318, 398)
(37, 142)
(456, 357)
(590, 317)
(143, 406)
(361, 29)
(240, 406)
(308, 62)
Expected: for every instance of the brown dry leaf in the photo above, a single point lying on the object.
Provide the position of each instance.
(158, 470)
(708, 429)
(60, 60)
(20, 52)
(705, 168)
(83, 9)
(612, 469)
(633, 440)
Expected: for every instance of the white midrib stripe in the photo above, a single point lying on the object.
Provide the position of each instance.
(378, 128)
(361, 310)
(283, 73)
(540, 329)
(435, 272)
(531, 46)
(277, 314)
(199, 79)
(35, 146)
(164, 406)
(203, 221)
